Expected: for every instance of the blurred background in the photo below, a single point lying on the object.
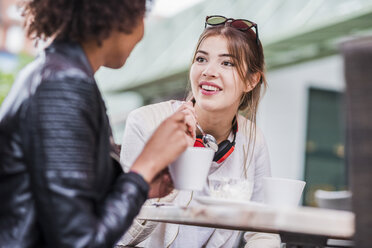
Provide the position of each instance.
(302, 112)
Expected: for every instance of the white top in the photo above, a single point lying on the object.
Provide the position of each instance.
(140, 125)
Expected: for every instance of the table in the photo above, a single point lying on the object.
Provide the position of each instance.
(301, 225)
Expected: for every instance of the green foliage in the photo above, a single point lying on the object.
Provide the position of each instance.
(6, 81)
(23, 59)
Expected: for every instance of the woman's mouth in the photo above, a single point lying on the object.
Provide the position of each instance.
(209, 89)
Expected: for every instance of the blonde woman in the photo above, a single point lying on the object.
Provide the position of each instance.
(227, 77)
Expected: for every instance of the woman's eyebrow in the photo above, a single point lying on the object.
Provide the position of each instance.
(201, 51)
(226, 55)
(220, 55)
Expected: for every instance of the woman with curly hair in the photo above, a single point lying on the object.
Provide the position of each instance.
(60, 182)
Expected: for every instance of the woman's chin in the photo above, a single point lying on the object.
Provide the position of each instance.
(209, 106)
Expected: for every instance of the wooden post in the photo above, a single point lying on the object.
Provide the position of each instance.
(358, 72)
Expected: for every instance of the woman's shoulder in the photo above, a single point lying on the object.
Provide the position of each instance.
(156, 110)
(152, 115)
(249, 129)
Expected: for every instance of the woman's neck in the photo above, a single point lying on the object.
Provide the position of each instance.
(94, 53)
(218, 124)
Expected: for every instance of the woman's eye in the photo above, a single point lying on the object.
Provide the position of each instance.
(228, 63)
(200, 59)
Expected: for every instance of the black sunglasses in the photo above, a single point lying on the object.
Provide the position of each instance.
(240, 24)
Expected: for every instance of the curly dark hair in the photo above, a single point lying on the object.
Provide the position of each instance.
(80, 20)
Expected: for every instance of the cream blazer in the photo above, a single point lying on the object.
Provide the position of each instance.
(251, 164)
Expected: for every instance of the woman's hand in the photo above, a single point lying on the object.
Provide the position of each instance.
(161, 185)
(190, 119)
(168, 141)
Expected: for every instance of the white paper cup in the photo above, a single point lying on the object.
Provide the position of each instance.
(190, 170)
(282, 192)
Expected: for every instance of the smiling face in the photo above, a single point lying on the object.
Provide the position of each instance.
(215, 82)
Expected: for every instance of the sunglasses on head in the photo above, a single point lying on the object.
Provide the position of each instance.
(240, 24)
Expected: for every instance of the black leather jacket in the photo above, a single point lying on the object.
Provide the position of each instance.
(59, 186)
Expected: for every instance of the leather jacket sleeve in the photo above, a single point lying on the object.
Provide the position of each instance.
(63, 125)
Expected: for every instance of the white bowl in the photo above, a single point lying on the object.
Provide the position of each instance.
(282, 192)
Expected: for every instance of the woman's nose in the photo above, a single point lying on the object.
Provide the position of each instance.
(210, 71)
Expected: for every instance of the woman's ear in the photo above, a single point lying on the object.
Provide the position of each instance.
(255, 79)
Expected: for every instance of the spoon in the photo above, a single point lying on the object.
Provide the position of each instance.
(208, 140)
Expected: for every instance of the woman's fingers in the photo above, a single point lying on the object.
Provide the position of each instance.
(168, 141)
(189, 106)
(191, 127)
(190, 120)
(177, 117)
